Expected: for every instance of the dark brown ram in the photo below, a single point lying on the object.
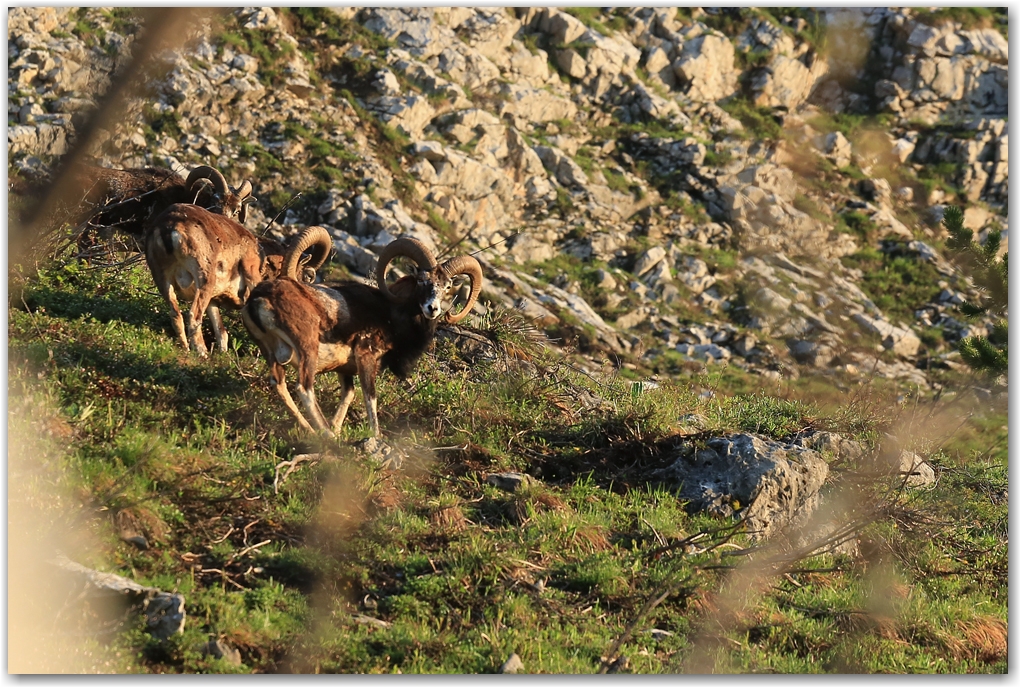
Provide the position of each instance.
(352, 328)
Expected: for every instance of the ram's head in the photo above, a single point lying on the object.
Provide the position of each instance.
(230, 202)
(433, 283)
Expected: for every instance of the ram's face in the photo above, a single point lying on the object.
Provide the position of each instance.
(232, 207)
(430, 294)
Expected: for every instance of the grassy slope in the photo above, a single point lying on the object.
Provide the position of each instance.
(142, 439)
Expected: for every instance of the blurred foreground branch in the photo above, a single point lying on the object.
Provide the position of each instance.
(166, 28)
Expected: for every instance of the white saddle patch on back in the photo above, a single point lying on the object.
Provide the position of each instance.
(335, 305)
(332, 356)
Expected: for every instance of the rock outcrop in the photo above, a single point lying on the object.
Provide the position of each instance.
(710, 187)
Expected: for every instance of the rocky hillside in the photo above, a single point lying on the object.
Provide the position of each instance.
(660, 189)
(727, 224)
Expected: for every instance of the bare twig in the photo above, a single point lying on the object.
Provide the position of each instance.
(291, 466)
(282, 210)
(247, 550)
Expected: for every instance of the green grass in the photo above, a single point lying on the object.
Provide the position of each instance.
(160, 124)
(731, 22)
(758, 121)
(857, 224)
(583, 158)
(810, 206)
(815, 30)
(753, 59)
(943, 175)
(653, 127)
(897, 285)
(718, 157)
(259, 43)
(618, 182)
(850, 125)
(968, 17)
(593, 18)
(682, 203)
(132, 429)
(87, 29)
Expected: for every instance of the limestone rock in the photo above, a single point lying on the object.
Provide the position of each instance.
(510, 481)
(649, 259)
(537, 105)
(786, 82)
(900, 341)
(410, 114)
(560, 165)
(218, 648)
(693, 272)
(350, 254)
(512, 665)
(770, 302)
(813, 353)
(489, 31)
(562, 28)
(774, 485)
(837, 148)
(164, 611)
(528, 248)
(917, 472)
(771, 178)
(411, 29)
(706, 68)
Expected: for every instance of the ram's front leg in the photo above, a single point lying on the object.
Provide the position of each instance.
(346, 396)
(306, 393)
(368, 370)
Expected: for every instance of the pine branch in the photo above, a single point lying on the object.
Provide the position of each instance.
(988, 354)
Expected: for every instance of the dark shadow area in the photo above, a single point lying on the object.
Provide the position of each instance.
(70, 305)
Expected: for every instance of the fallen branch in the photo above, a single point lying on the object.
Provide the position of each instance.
(291, 466)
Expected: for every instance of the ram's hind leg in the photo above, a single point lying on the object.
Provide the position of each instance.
(346, 396)
(170, 296)
(306, 393)
(278, 375)
(194, 321)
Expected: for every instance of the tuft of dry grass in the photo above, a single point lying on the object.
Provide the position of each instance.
(449, 519)
(593, 537)
(138, 520)
(986, 639)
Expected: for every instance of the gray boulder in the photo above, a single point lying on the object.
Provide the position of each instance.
(413, 30)
(559, 164)
(164, 611)
(772, 485)
(899, 340)
(918, 473)
(706, 68)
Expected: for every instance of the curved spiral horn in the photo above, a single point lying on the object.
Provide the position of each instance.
(312, 236)
(201, 184)
(468, 266)
(213, 175)
(409, 248)
(244, 190)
